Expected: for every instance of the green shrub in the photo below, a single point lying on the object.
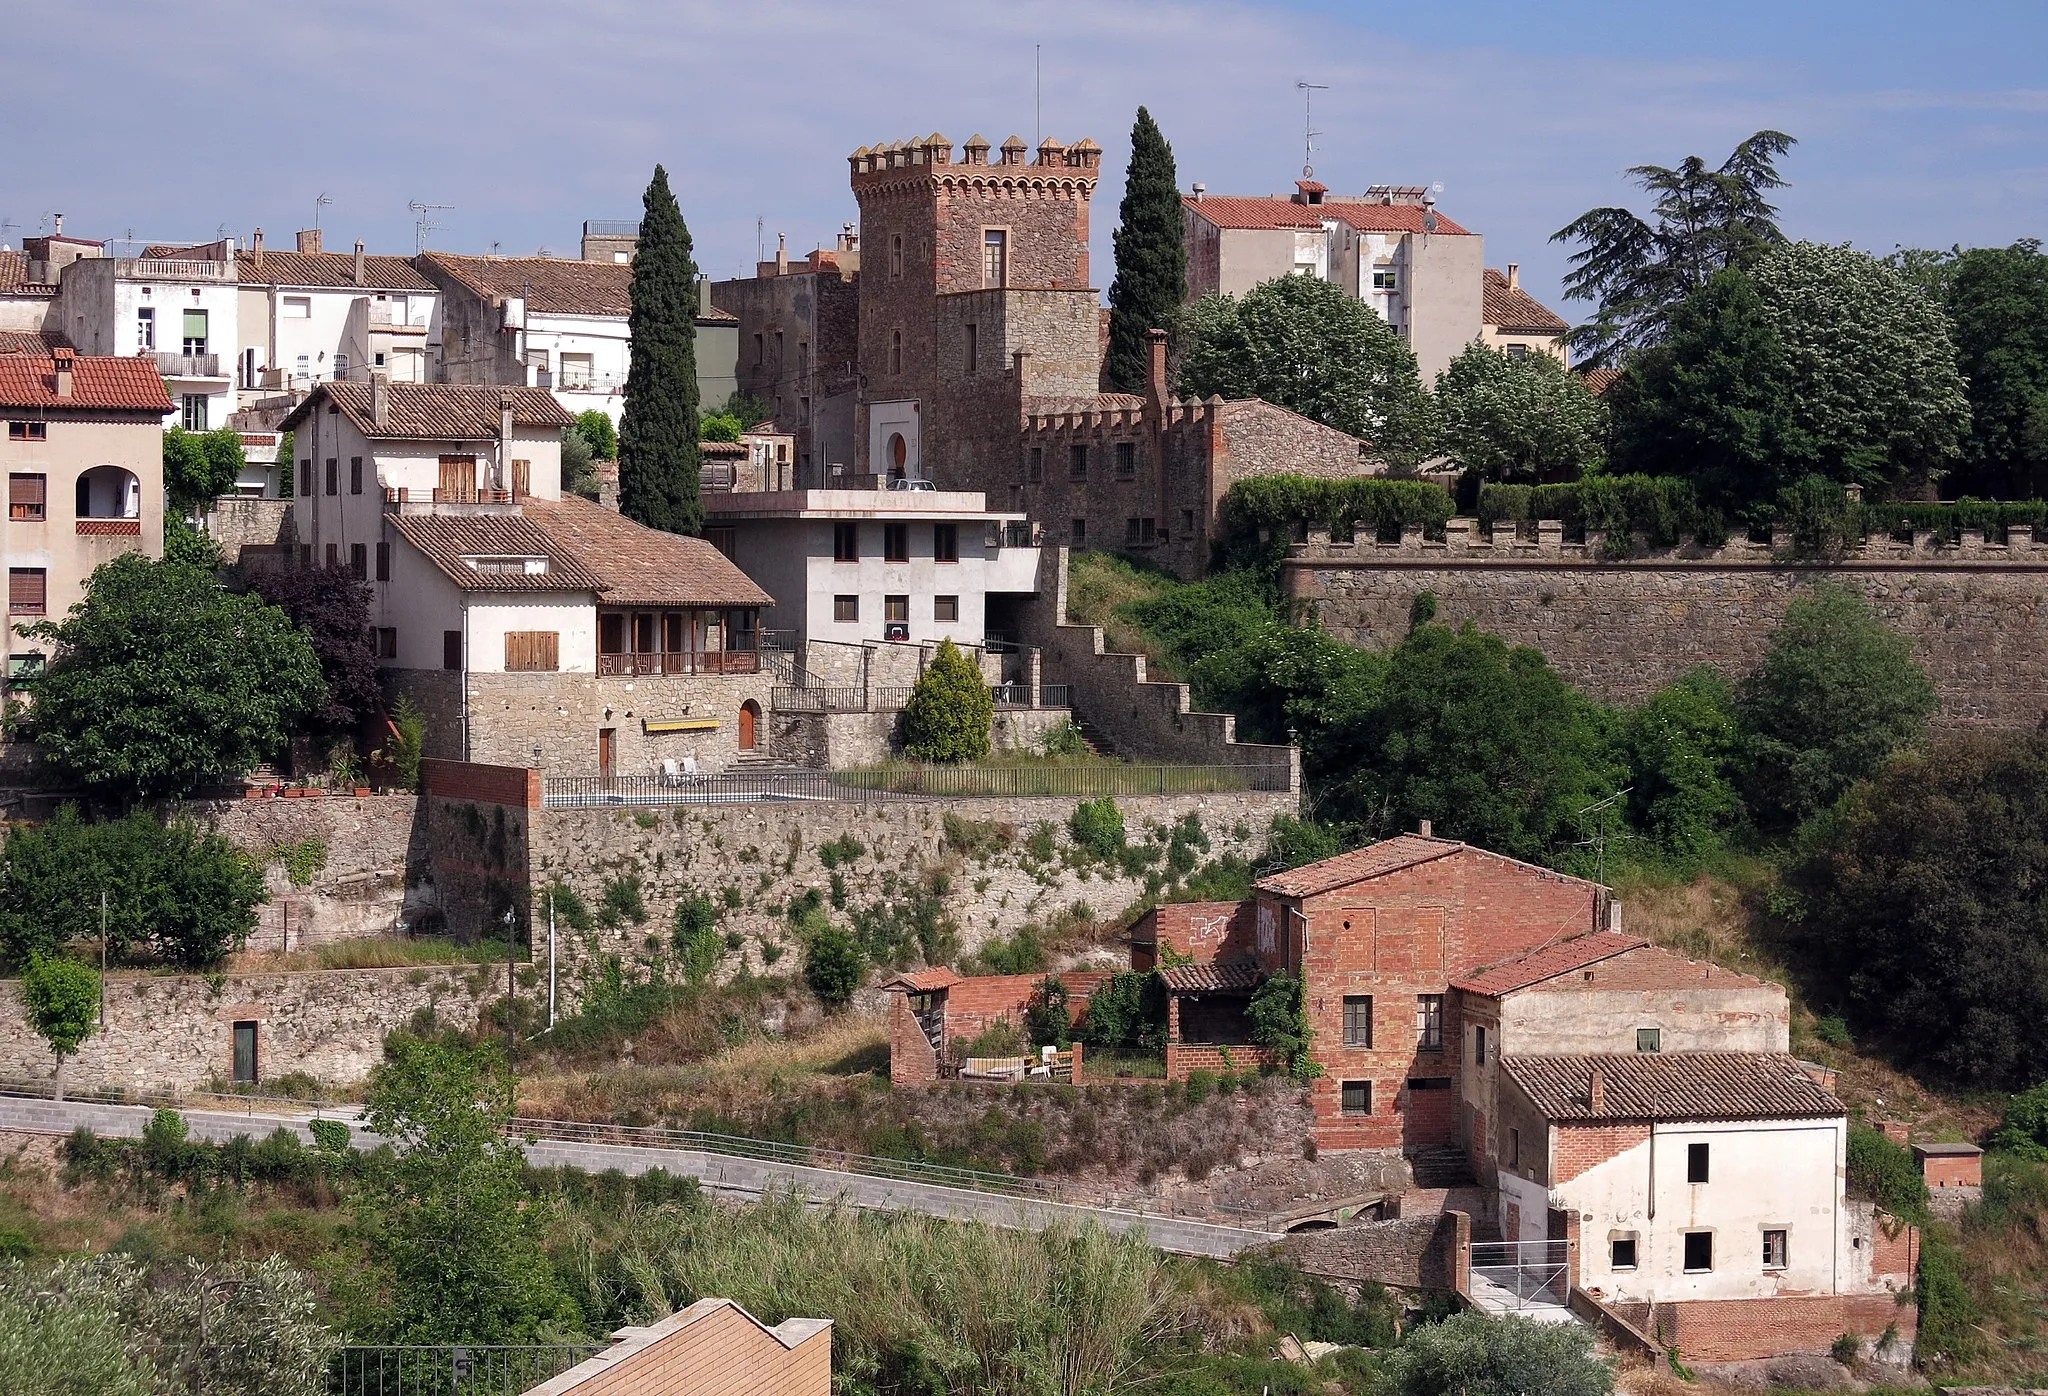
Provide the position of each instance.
(947, 718)
(999, 1039)
(2023, 1131)
(1127, 1011)
(697, 942)
(1470, 1354)
(1097, 828)
(330, 1136)
(833, 965)
(1021, 952)
(302, 861)
(1948, 1315)
(844, 849)
(1279, 1020)
(1048, 1022)
(1884, 1172)
(570, 908)
(622, 903)
(1287, 505)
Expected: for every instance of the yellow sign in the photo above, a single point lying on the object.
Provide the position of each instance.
(682, 724)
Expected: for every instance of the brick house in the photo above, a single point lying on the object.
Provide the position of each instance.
(714, 1345)
(935, 1013)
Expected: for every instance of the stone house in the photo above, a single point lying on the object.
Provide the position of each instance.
(530, 627)
(83, 449)
(798, 328)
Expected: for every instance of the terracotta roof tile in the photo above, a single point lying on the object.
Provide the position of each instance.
(436, 411)
(329, 269)
(31, 342)
(1673, 1086)
(1278, 211)
(14, 276)
(644, 566)
(735, 449)
(449, 540)
(1602, 378)
(1213, 978)
(550, 285)
(97, 381)
(1514, 310)
(1388, 855)
(1538, 965)
(922, 981)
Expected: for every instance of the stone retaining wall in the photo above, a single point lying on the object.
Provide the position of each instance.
(1422, 1252)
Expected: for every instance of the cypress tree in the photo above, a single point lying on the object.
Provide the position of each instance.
(1151, 259)
(658, 433)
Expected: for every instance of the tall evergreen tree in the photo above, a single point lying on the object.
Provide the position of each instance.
(1151, 259)
(658, 435)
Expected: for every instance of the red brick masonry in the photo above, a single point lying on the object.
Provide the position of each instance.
(492, 785)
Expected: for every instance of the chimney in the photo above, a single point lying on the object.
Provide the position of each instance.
(380, 401)
(1156, 393)
(256, 248)
(309, 241)
(504, 441)
(58, 230)
(1514, 276)
(782, 254)
(1423, 828)
(359, 262)
(1429, 220)
(61, 358)
(1200, 189)
(1596, 1091)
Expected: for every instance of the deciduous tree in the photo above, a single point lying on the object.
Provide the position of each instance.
(658, 483)
(1151, 281)
(332, 609)
(62, 999)
(1998, 312)
(200, 466)
(1517, 419)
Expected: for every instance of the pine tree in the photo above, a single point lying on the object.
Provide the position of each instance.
(1151, 259)
(658, 436)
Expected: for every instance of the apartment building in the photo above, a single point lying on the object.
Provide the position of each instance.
(309, 316)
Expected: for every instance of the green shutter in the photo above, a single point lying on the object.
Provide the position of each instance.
(195, 324)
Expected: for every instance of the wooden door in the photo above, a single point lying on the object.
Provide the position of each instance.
(748, 714)
(458, 480)
(605, 737)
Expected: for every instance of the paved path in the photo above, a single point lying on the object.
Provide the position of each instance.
(724, 1172)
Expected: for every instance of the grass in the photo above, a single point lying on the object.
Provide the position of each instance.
(377, 952)
(1016, 775)
(1101, 588)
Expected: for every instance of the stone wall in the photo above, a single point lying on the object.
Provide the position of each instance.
(1423, 1252)
(362, 890)
(1977, 613)
(177, 1031)
(239, 522)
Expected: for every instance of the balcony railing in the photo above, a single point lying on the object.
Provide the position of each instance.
(471, 1369)
(889, 698)
(681, 662)
(176, 365)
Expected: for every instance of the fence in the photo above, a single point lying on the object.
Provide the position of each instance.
(1510, 1275)
(1088, 781)
(889, 698)
(462, 1370)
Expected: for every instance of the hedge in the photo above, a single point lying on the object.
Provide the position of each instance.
(1664, 508)
(1287, 504)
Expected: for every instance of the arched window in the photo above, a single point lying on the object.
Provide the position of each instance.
(896, 255)
(109, 492)
(896, 351)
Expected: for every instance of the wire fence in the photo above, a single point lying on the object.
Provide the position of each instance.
(471, 1369)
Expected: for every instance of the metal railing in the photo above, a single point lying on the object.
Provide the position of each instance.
(1011, 695)
(1509, 1275)
(819, 700)
(889, 783)
(680, 662)
(1055, 695)
(470, 1369)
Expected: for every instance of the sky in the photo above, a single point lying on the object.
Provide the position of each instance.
(1917, 125)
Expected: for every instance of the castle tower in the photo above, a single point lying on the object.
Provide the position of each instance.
(974, 301)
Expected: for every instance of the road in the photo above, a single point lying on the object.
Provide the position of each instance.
(725, 1173)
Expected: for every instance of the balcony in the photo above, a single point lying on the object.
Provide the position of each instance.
(173, 365)
(621, 666)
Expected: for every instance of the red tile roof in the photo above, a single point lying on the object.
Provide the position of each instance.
(14, 276)
(1278, 211)
(1213, 978)
(922, 981)
(641, 566)
(1602, 378)
(1546, 962)
(550, 285)
(1388, 855)
(450, 540)
(1673, 1086)
(31, 342)
(329, 269)
(98, 382)
(1514, 310)
(435, 411)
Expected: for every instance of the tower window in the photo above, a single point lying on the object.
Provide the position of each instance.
(995, 257)
(896, 351)
(896, 255)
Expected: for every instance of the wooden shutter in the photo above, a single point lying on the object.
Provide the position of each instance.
(532, 651)
(26, 495)
(28, 591)
(458, 480)
(522, 479)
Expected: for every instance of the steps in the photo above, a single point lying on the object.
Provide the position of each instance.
(1092, 737)
(1441, 1166)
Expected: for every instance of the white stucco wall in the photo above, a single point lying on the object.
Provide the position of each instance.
(573, 619)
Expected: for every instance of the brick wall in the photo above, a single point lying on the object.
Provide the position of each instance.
(1579, 1148)
(1202, 931)
(1735, 1330)
(1953, 1170)
(912, 1062)
(712, 1348)
(1185, 1057)
(1975, 612)
(517, 786)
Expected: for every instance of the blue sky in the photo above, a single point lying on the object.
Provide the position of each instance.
(1918, 125)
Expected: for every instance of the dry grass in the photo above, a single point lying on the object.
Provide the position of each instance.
(377, 952)
(1099, 587)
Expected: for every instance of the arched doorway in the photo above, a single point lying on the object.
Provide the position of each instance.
(750, 724)
(899, 455)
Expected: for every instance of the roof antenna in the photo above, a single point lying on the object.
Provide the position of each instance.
(1308, 131)
(423, 225)
(322, 202)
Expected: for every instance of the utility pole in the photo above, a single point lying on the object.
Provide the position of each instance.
(1599, 839)
(511, 985)
(551, 959)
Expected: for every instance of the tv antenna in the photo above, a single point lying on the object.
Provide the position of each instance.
(1037, 95)
(319, 203)
(423, 224)
(1599, 839)
(1308, 130)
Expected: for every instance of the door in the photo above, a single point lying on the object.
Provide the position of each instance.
(749, 715)
(604, 751)
(245, 1054)
(458, 480)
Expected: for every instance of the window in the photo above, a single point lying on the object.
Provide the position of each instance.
(778, 349)
(245, 1054)
(845, 542)
(1357, 1098)
(846, 610)
(355, 474)
(725, 538)
(1077, 530)
(971, 347)
(1187, 522)
(195, 332)
(896, 610)
(1699, 1251)
(1077, 462)
(1358, 1020)
(28, 591)
(1034, 470)
(334, 554)
(895, 351)
(359, 562)
(1126, 460)
(28, 431)
(945, 608)
(577, 370)
(1621, 1253)
(1429, 1022)
(1131, 533)
(387, 642)
(26, 497)
(1514, 1159)
(895, 542)
(760, 348)
(995, 257)
(193, 412)
(1774, 1250)
(896, 255)
(1696, 1163)
(945, 542)
(451, 649)
(341, 368)
(1479, 1046)
(23, 667)
(377, 359)
(305, 366)
(383, 562)
(1518, 351)
(803, 355)
(1385, 278)
(532, 651)
(145, 330)
(333, 475)
(1649, 1040)
(296, 308)
(304, 474)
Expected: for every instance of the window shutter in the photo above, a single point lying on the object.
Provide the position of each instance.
(195, 324)
(532, 651)
(26, 495)
(27, 590)
(522, 479)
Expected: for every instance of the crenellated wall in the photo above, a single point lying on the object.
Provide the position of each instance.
(1977, 612)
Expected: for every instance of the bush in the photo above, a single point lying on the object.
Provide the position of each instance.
(1127, 1011)
(1279, 1020)
(1884, 1172)
(833, 965)
(947, 718)
(2023, 1130)
(1470, 1354)
(622, 903)
(1287, 505)
(1048, 1022)
(696, 938)
(596, 428)
(1664, 508)
(999, 1039)
(1097, 828)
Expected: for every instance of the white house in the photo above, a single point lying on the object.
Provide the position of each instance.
(175, 305)
(308, 316)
